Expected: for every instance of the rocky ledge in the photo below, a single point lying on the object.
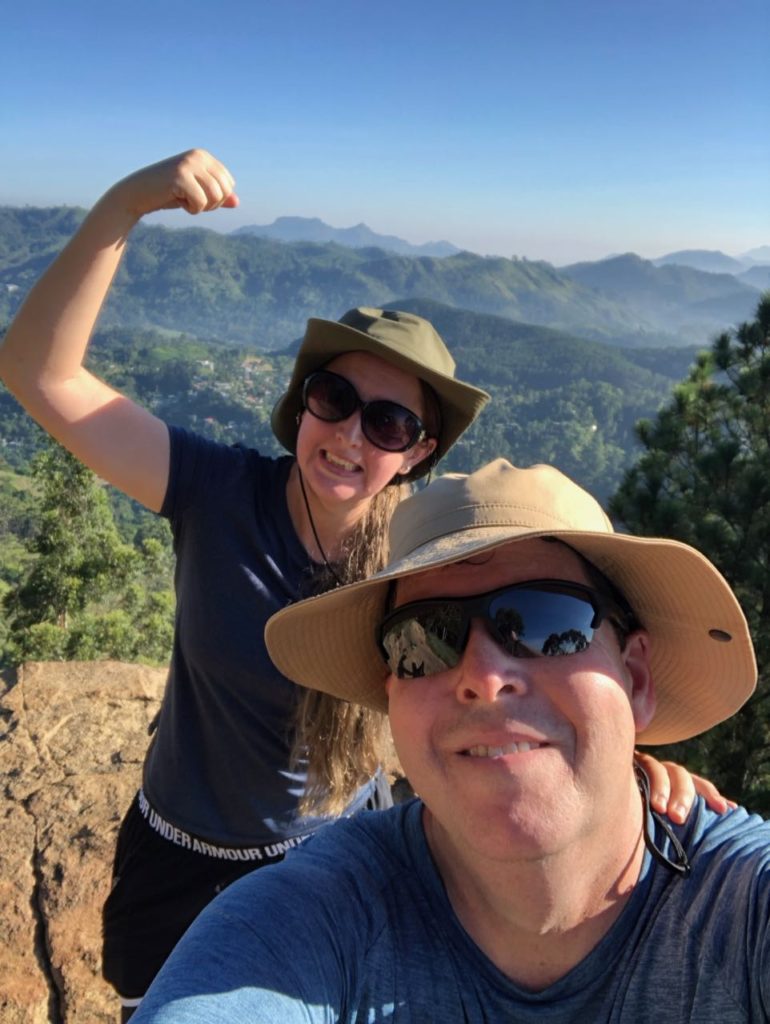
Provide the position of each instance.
(72, 740)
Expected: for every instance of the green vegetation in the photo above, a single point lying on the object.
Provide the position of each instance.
(704, 478)
(555, 398)
(258, 293)
(86, 573)
(82, 592)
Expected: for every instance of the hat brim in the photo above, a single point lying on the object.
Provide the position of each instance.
(460, 403)
(329, 642)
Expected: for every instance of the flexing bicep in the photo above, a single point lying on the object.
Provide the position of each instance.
(122, 442)
(41, 358)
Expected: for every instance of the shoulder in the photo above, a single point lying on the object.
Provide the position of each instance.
(350, 867)
(201, 467)
(296, 938)
(723, 848)
(710, 836)
(367, 852)
(188, 445)
(728, 888)
(711, 929)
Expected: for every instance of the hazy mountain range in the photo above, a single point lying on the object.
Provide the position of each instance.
(311, 229)
(247, 289)
(573, 356)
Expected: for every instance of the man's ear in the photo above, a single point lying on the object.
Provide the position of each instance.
(636, 659)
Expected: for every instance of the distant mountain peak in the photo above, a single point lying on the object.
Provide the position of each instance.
(712, 261)
(360, 236)
(759, 255)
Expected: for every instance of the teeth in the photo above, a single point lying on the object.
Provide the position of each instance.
(342, 463)
(511, 748)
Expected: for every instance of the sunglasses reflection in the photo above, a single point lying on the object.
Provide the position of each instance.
(545, 618)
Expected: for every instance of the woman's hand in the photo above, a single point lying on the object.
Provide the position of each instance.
(673, 788)
(194, 181)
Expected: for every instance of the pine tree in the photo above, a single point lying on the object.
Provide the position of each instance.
(84, 595)
(704, 478)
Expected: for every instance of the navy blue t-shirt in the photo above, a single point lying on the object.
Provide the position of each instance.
(355, 927)
(219, 763)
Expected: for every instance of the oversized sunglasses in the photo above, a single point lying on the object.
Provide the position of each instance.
(536, 619)
(388, 425)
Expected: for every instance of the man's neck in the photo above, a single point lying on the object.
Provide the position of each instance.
(538, 918)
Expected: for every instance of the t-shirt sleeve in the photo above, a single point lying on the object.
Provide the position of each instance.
(195, 463)
(271, 948)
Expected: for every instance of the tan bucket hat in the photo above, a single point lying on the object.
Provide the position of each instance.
(403, 339)
(702, 658)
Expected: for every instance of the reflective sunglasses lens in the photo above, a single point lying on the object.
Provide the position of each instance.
(389, 426)
(527, 623)
(425, 643)
(539, 623)
(329, 397)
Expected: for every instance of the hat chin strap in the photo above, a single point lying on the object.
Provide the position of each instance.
(681, 864)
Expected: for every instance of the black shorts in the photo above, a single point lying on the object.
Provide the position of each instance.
(158, 889)
(160, 885)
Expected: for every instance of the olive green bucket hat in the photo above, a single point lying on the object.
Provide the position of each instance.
(403, 339)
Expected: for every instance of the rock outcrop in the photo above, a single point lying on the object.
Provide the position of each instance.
(72, 739)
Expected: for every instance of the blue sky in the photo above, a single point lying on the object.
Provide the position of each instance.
(552, 129)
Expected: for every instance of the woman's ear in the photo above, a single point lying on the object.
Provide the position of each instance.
(418, 454)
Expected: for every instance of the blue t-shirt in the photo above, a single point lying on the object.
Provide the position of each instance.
(355, 926)
(218, 766)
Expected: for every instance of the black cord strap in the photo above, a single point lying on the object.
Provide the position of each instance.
(681, 864)
(336, 578)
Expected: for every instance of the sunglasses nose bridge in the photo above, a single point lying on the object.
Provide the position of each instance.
(487, 672)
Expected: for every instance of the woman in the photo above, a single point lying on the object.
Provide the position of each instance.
(371, 405)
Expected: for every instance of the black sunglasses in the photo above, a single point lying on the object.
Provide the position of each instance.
(388, 425)
(539, 618)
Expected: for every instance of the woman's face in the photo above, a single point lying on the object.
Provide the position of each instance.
(337, 461)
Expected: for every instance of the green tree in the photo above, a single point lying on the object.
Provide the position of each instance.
(704, 478)
(85, 593)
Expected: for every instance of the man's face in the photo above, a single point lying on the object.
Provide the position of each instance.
(521, 757)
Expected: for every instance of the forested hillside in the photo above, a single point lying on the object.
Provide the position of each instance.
(202, 329)
(687, 300)
(555, 398)
(85, 573)
(258, 292)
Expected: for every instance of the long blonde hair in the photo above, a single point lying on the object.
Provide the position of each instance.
(344, 744)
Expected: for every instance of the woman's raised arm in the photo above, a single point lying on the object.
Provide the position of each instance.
(41, 358)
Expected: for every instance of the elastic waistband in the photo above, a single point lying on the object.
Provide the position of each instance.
(220, 851)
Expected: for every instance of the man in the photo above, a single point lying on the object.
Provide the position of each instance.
(522, 648)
